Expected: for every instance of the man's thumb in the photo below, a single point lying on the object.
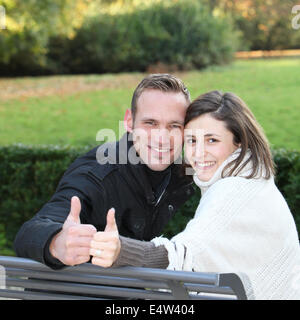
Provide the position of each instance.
(111, 224)
(75, 210)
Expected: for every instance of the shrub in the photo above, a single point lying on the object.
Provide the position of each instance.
(29, 176)
(288, 179)
(265, 25)
(21, 53)
(183, 34)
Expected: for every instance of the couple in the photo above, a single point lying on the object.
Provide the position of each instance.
(115, 212)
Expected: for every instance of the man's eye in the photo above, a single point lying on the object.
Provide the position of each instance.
(151, 123)
(190, 140)
(176, 126)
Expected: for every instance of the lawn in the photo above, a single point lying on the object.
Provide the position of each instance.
(72, 109)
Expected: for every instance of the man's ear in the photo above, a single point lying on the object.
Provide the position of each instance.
(128, 121)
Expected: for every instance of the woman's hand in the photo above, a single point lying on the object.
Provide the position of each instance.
(106, 245)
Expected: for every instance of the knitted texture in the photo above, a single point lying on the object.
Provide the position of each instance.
(141, 254)
(242, 226)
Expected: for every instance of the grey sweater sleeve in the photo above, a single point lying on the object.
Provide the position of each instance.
(141, 254)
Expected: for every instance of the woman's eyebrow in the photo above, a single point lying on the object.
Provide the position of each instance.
(211, 134)
(206, 135)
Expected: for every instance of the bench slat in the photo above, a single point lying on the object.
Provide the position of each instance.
(89, 281)
(87, 289)
(94, 279)
(144, 273)
(26, 295)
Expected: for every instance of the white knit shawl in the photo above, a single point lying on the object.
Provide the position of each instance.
(242, 226)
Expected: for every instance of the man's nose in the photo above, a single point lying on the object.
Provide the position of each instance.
(162, 137)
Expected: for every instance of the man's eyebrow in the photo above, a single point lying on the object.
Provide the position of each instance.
(147, 118)
(206, 135)
(169, 122)
(177, 121)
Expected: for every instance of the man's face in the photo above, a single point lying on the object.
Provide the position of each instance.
(158, 127)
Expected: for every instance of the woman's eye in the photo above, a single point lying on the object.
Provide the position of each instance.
(212, 140)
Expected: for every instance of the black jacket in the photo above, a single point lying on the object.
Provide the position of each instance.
(140, 214)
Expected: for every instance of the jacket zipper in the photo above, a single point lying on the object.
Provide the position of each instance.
(163, 196)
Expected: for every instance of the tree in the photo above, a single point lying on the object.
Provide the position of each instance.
(30, 24)
(265, 24)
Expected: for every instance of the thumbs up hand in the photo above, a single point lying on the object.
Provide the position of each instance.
(72, 244)
(74, 214)
(106, 245)
(111, 225)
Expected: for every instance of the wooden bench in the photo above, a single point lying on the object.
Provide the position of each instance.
(27, 279)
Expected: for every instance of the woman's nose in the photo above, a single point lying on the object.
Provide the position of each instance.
(200, 154)
(200, 150)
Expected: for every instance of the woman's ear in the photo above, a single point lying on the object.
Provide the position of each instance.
(128, 121)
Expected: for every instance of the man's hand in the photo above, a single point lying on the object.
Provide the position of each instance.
(106, 245)
(72, 244)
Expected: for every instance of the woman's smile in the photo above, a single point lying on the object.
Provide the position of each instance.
(205, 165)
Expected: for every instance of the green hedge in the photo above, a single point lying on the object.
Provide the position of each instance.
(29, 176)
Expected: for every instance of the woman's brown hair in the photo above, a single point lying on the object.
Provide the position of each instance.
(240, 121)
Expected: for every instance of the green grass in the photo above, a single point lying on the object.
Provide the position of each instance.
(73, 119)
(269, 87)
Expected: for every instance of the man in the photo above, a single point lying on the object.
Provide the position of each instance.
(145, 194)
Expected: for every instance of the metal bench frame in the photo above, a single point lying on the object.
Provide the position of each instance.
(28, 279)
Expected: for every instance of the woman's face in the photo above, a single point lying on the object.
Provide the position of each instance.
(207, 144)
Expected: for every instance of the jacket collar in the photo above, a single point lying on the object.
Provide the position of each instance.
(132, 168)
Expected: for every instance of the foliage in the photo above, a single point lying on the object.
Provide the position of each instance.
(183, 35)
(288, 179)
(71, 36)
(265, 25)
(5, 249)
(180, 33)
(29, 176)
(29, 26)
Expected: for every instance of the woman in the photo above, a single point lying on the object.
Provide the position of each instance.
(242, 223)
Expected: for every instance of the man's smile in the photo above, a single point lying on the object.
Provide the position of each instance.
(160, 150)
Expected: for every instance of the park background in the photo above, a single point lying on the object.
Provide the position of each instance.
(68, 69)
